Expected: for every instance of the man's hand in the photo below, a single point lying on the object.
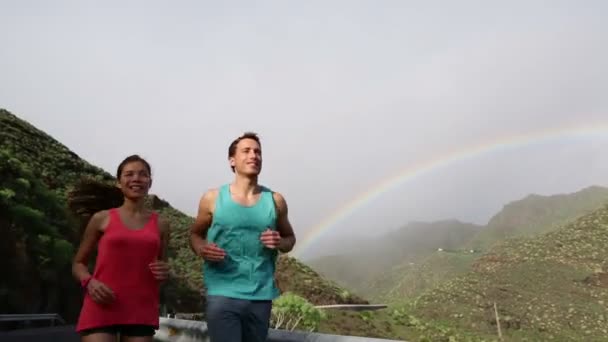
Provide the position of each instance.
(211, 252)
(160, 269)
(100, 292)
(271, 238)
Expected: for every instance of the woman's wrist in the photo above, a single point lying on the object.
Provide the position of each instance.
(85, 281)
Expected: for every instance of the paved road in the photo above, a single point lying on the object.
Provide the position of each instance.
(63, 333)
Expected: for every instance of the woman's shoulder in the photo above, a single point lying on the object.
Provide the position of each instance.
(101, 218)
(103, 213)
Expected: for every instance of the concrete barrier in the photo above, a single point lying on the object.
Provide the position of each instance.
(180, 330)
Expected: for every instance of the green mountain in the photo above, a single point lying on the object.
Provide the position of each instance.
(411, 243)
(418, 239)
(408, 280)
(409, 270)
(550, 287)
(41, 179)
(537, 214)
(345, 271)
(38, 234)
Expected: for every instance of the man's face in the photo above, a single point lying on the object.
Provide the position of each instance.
(247, 159)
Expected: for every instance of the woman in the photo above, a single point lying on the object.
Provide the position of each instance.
(122, 295)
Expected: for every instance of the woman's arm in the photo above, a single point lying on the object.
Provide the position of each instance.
(160, 267)
(98, 291)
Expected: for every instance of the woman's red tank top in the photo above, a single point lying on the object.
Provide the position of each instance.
(123, 258)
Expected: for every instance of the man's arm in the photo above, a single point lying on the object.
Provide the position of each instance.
(198, 231)
(288, 237)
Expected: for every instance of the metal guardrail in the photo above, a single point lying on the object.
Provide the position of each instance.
(32, 317)
(180, 330)
(174, 330)
(353, 307)
(347, 307)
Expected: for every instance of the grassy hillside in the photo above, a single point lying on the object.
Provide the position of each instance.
(406, 276)
(409, 280)
(537, 214)
(552, 287)
(347, 270)
(418, 239)
(296, 277)
(36, 244)
(39, 236)
(412, 243)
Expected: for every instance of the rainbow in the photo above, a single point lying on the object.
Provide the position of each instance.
(423, 167)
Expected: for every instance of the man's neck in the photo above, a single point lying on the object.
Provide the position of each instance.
(244, 185)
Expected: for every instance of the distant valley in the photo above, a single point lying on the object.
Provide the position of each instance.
(420, 255)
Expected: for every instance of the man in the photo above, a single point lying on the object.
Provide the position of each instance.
(239, 230)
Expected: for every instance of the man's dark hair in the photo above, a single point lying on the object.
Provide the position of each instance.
(130, 159)
(246, 135)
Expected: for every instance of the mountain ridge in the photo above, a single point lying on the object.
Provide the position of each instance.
(531, 215)
(407, 244)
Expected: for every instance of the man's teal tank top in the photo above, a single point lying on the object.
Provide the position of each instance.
(247, 271)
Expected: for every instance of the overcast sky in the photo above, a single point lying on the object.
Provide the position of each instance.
(343, 93)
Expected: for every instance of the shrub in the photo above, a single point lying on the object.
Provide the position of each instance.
(291, 311)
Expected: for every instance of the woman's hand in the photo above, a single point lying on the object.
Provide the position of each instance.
(100, 292)
(160, 270)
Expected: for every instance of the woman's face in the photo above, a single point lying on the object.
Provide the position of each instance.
(135, 180)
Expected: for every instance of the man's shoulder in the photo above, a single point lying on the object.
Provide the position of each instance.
(279, 200)
(276, 194)
(212, 192)
(209, 196)
(277, 197)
